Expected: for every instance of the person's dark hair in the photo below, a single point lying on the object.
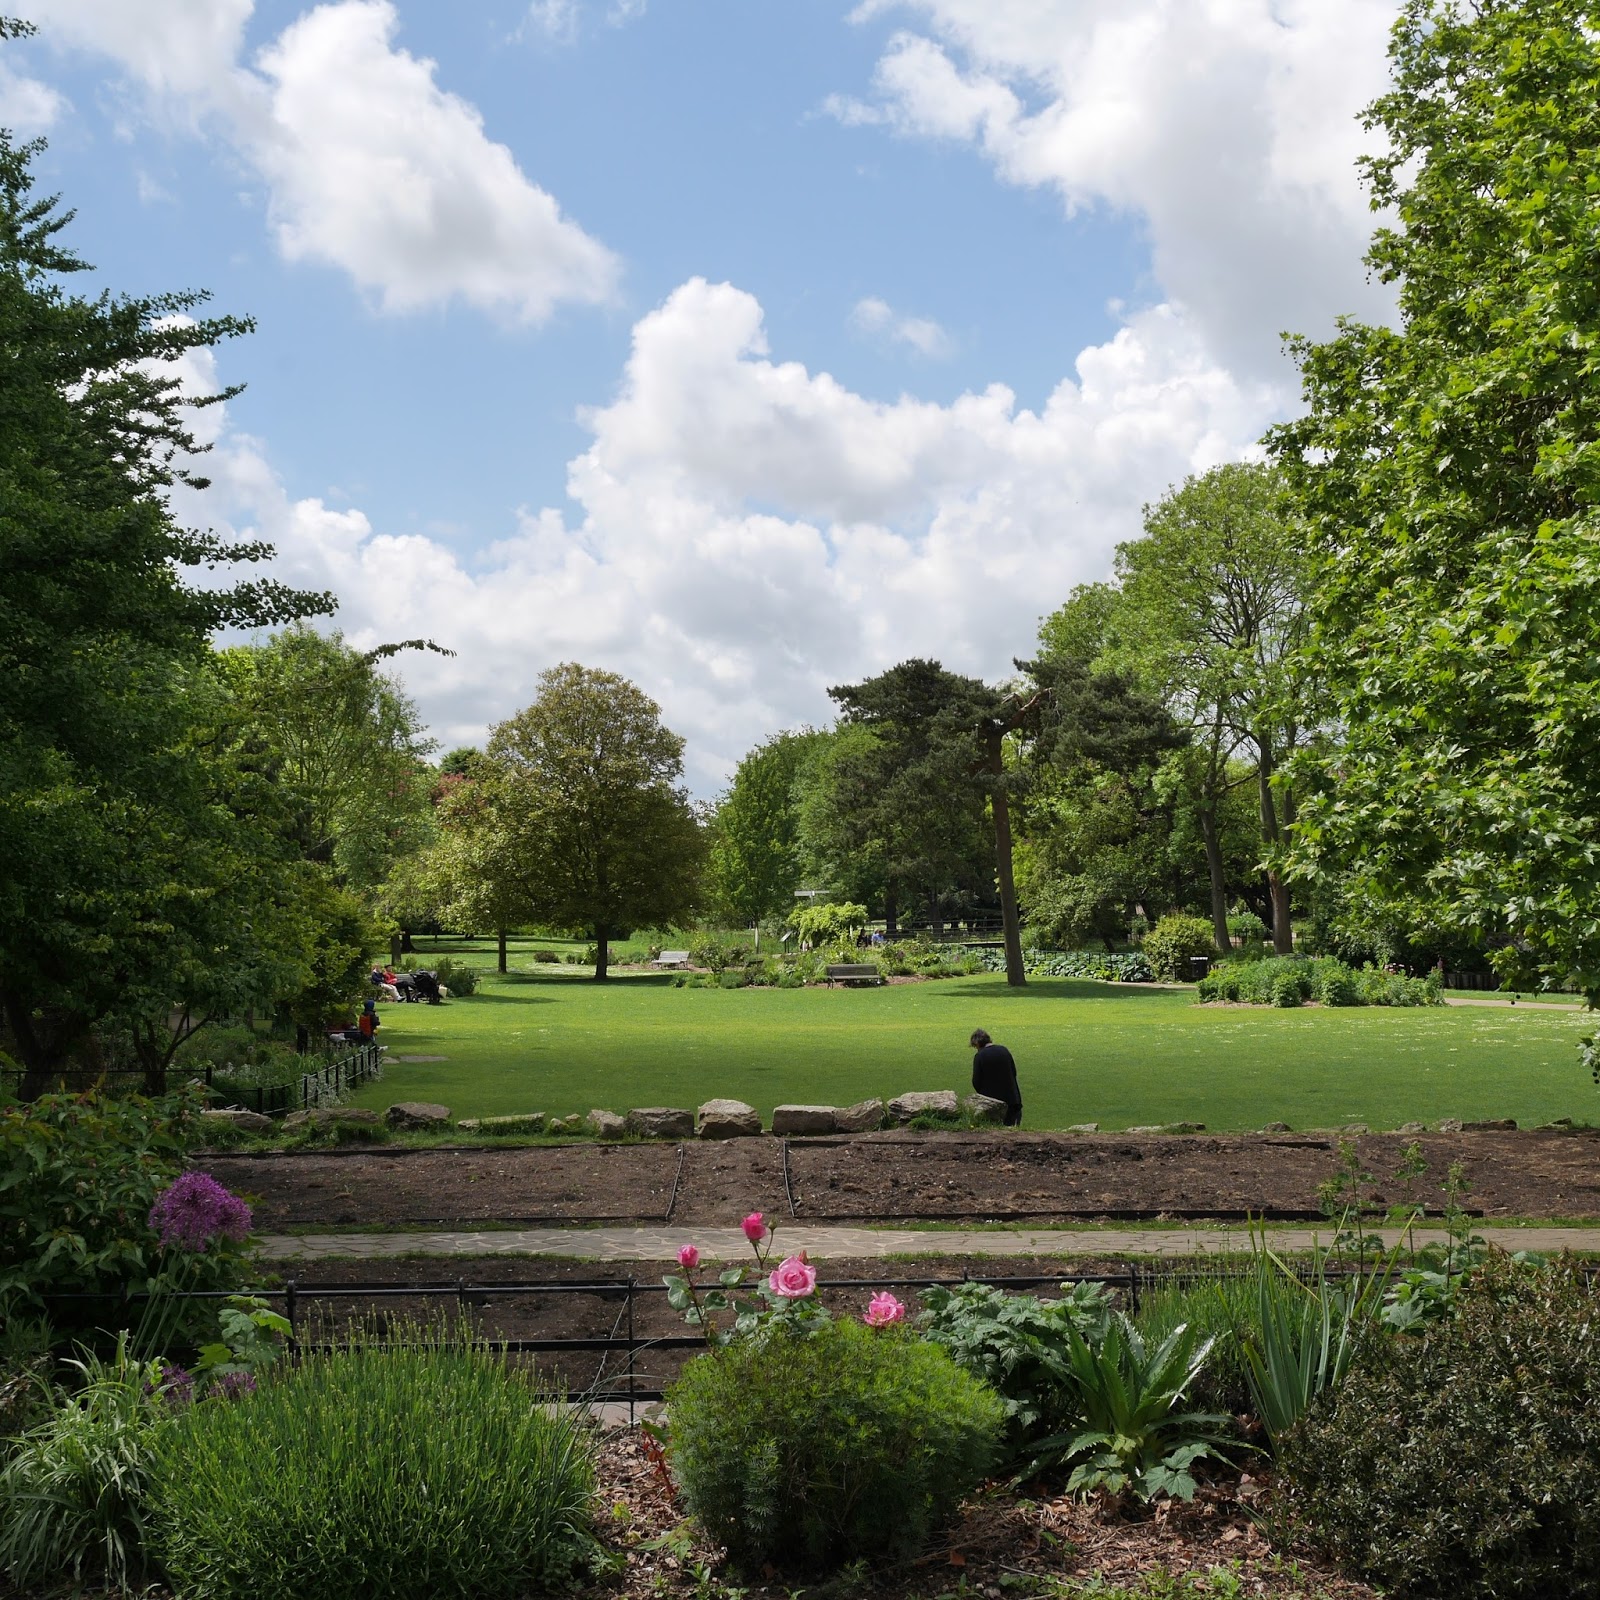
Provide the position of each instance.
(979, 1039)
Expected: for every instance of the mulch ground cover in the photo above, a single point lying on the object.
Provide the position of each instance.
(899, 1176)
(1004, 1544)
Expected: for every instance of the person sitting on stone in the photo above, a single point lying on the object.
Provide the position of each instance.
(994, 1073)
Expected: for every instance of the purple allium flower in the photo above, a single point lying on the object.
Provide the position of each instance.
(231, 1385)
(174, 1385)
(195, 1209)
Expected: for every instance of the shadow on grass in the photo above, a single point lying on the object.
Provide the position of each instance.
(1054, 989)
(617, 980)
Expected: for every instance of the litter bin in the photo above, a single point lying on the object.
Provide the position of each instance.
(1199, 967)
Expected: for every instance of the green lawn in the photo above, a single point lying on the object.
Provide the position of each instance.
(546, 1039)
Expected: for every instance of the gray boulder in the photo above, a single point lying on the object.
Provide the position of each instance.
(803, 1119)
(1276, 1127)
(1450, 1125)
(522, 1122)
(418, 1115)
(1492, 1125)
(1168, 1127)
(661, 1122)
(244, 1121)
(865, 1116)
(607, 1124)
(1560, 1122)
(934, 1103)
(1412, 1127)
(323, 1115)
(727, 1119)
(1355, 1127)
(1083, 1127)
(981, 1108)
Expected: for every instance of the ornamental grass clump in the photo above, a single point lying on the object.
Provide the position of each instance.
(826, 1442)
(429, 1469)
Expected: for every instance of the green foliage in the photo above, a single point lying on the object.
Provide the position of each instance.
(78, 1175)
(1292, 980)
(1018, 1345)
(1107, 966)
(1464, 1461)
(828, 922)
(453, 973)
(1444, 463)
(1245, 927)
(470, 1482)
(1130, 1437)
(814, 1450)
(73, 1491)
(1220, 1307)
(1169, 946)
(608, 839)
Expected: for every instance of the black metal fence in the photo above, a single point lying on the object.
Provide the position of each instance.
(342, 1071)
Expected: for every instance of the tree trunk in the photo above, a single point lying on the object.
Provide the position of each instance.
(500, 935)
(890, 924)
(45, 1047)
(394, 951)
(602, 954)
(406, 946)
(1271, 837)
(1016, 975)
(1219, 884)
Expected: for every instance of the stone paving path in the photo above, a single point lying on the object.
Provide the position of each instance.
(728, 1244)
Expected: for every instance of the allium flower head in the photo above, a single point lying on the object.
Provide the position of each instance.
(688, 1258)
(195, 1209)
(794, 1278)
(882, 1309)
(231, 1385)
(173, 1384)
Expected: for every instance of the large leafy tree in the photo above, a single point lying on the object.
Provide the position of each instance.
(908, 790)
(755, 863)
(606, 836)
(1212, 609)
(100, 636)
(1451, 466)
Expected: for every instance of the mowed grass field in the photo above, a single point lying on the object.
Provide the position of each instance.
(549, 1039)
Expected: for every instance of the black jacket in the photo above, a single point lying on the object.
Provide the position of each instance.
(994, 1073)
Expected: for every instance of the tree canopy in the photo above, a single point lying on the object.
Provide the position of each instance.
(1448, 468)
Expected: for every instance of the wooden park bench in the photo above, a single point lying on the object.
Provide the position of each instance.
(671, 958)
(853, 973)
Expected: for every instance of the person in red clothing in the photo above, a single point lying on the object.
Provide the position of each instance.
(368, 1022)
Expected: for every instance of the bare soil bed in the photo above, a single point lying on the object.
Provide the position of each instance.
(901, 1176)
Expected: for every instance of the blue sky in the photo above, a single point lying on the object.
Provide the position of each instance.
(740, 347)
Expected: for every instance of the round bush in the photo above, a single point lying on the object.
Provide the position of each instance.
(426, 1471)
(1466, 1460)
(1169, 945)
(813, 1450)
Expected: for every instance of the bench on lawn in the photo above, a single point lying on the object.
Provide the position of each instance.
(671, 958)
(854, 972)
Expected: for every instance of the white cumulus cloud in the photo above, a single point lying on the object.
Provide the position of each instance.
(371, 166)
(1228, 128)
(923, 334)
(750, 531)
(27, 106)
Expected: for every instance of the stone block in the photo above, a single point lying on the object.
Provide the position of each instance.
(1412, 1127)
(323, 1115)
(865, 1116)
(1355, 1128)
(1561, 1123)
(1168, 1127)
(1083, 1127)
(803, 1119)
(981, 1108)
(1275, 1127)
(933, 1103)
(417, 1115)
(244, 1121)
(607, 1124)
(1450, 1125)
(522, 1122)
(1492, 1125)
(727, 1119)
(661, 1122)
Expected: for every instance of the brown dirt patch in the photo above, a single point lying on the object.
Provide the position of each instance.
(989, 1176)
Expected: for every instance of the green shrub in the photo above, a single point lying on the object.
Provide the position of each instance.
(1334, 984)
(1017, 1343)
(547, 957)
(456, 976)
(72, 1493)
(82, 1173)
(1217, 1307)
(1464, 1460)
(819, 1449)
(1246, 928)
(1286, 989)
(432, 1469)
(1170, 945)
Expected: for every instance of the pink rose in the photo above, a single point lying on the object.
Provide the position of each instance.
(883, 1309)
(688, 1258)
(794, 1278)
(755, 1227)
